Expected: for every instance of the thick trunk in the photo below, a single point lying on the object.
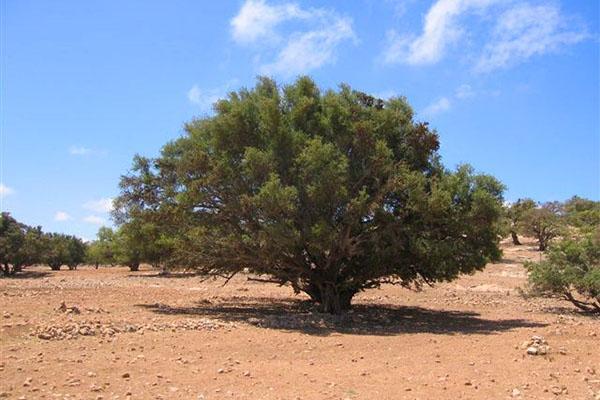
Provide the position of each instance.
(330, 298)
(515, 238)
(543, 245)
(134, 267)
(55, 267)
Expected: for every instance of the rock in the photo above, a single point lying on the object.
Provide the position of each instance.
(532, 350)
(515, 392)
(126, 375)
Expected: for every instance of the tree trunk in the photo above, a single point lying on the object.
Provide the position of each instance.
(515, 238)
(543, 245)
(330, 298)
(55, 267)
(134, 267)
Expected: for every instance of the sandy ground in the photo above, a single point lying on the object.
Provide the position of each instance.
(137, 335)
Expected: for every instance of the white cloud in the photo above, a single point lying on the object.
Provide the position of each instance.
(311, 44)
(437, 107)
(79, 150)
(310, 50)
(521, 31)
(103, 205)
(257, 20)
(5, 190)
(205, 98)
(524, 31)
(464, 92)
(440, 29)
(61, 216)
(94, 219)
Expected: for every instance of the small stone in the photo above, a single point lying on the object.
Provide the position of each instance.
(532, 350)
(126, 375)
(515, 392)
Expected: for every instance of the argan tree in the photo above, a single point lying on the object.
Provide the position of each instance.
(515, 213)
(543, 223)
(102, 250)
(571, 271)
(62, 250)
(331, 192)
(20, 245)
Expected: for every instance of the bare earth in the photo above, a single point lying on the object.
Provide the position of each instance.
(137, 335)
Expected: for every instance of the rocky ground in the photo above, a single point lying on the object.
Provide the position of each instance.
(115, 334)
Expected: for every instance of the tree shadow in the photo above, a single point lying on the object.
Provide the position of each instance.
(570, 311)
(27, 275)
(170, 275)
(363, 319)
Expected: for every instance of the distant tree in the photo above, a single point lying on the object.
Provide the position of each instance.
(76, 252)
(62, 250)
(102, 251)
(20, 245)
(543, 223)
(515, 213)
(571, 271)
(142, 242)
(582, 213)
(333, 193)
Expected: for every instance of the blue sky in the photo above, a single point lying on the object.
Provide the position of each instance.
(511, 86)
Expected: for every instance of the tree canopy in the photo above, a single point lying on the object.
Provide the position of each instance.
(332, 192)
(571, 271)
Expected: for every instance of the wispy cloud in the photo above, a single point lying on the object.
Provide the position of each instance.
(206, 98)
(62, 216)
(5, 190)
(104, 205)
(440, 105)
(440, 30)
(94, 219)
(525, 31)
(521, 31)
(79, 150)
(313, 43)
(76, 150)
(464, 92)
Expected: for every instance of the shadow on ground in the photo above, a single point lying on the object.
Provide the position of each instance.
(363, 319)
(178, 275)
(27, 275)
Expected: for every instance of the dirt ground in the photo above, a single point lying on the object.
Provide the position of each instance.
(138, 335)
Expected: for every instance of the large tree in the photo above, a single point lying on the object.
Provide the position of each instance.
(332, 192)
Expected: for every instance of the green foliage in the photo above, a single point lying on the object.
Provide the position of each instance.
(102, 250)
(544, 223)
(515, 214)
(62, 250)
(572, 271)
(331, 192)
(582, 213)
(20, 245)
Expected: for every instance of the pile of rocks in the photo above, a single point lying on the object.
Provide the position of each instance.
(73, 330)
(536, 346)
(68, 309)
